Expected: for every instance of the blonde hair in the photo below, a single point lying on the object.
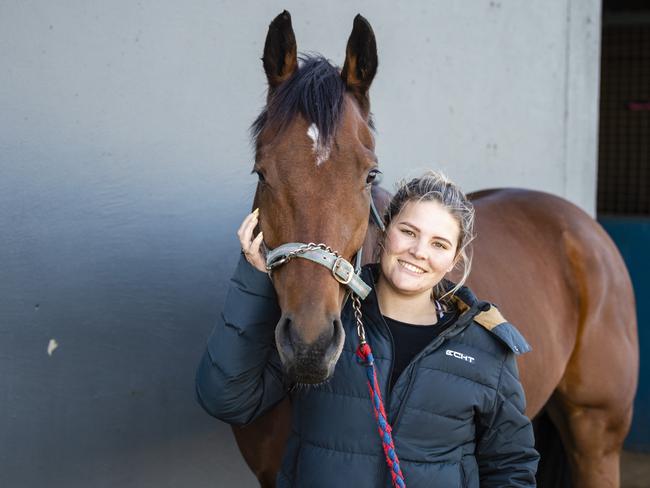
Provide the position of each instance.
(435, 186)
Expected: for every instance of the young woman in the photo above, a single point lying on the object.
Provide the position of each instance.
(447, 373)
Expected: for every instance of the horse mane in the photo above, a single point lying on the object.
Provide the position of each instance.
(314, 91)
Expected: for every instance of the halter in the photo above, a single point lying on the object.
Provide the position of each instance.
(342, 270)
(348, 275)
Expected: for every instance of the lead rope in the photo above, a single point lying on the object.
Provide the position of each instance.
(365, 357)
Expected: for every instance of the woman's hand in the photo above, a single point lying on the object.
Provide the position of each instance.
(249, 246)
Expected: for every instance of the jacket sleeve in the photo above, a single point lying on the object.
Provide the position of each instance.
(505, 451)
(240, 376)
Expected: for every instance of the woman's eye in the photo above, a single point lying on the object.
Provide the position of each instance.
(439, 245)
(372, 176)
(408, 232)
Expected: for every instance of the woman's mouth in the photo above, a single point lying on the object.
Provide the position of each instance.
(411, 267)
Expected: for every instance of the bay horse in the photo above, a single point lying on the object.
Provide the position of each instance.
(550, 267)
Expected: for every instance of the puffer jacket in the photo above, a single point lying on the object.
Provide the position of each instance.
(457, 410)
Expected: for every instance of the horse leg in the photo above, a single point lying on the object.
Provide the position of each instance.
(592, 437)
(262, 442)
(592, 405)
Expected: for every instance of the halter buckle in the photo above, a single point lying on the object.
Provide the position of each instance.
(342, 271)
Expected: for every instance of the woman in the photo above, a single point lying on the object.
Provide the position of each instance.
(447, 373)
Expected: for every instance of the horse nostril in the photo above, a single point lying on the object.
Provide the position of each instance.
(337, 340)
(284, 339)
(337, 331)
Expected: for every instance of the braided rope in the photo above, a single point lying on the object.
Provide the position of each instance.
(365, 357)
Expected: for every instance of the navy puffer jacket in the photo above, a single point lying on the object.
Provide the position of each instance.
(457, 410)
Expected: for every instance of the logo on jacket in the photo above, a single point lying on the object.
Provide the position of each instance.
(459, 355)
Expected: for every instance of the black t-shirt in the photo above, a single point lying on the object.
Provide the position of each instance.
(410, 339)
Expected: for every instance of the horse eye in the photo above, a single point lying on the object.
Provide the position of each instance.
(260, 177)
(372, 176)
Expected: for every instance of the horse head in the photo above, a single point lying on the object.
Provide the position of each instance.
(314, 156)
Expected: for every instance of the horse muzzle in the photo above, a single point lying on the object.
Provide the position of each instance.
(310, 343)
(310, 362)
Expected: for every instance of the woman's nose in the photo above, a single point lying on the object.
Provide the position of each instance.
(418, 249)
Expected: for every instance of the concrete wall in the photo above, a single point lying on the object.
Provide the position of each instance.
(124, 172)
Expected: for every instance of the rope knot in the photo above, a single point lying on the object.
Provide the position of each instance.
(364, 354)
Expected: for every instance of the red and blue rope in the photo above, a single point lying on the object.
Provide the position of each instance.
(365, 357)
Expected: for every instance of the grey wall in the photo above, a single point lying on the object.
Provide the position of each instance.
(124, 172)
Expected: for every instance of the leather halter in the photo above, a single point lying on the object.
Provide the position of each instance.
(342, 270)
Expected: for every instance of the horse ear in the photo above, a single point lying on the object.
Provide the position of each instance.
(360, 61)
(280, 57)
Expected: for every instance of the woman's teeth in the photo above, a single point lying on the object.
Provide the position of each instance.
(411, 267)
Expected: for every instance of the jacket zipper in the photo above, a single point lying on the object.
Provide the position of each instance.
(411, 368)
(468, 316)
(387, 391)
(435, 344)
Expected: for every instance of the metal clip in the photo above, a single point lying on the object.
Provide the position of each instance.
(277, 263)
(348, 271)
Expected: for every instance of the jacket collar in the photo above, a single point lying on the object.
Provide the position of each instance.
(468, 305)
(471, 309)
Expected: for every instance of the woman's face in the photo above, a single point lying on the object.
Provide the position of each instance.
(420, 247)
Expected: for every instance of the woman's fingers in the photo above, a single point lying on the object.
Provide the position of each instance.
(250, 246)
(254, 255)
(251, 216)
(255, 245)
(245, 232)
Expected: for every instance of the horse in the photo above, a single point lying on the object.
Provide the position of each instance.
(549, 266)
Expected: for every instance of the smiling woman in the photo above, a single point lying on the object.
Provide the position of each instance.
(451, 385)
(430, 226)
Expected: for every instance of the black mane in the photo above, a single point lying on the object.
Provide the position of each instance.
(315, 91)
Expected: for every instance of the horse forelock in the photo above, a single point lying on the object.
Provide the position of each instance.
(316, 91)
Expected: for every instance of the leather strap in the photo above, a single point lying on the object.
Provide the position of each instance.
(341, 269)
(375, 216)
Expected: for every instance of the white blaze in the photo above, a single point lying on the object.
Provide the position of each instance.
(322, 154)
(312, 132)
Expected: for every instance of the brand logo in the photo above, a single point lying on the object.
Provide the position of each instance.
(459, 355)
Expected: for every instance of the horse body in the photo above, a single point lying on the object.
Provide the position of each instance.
(557, 275)
(521, 264)
(549, 267)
